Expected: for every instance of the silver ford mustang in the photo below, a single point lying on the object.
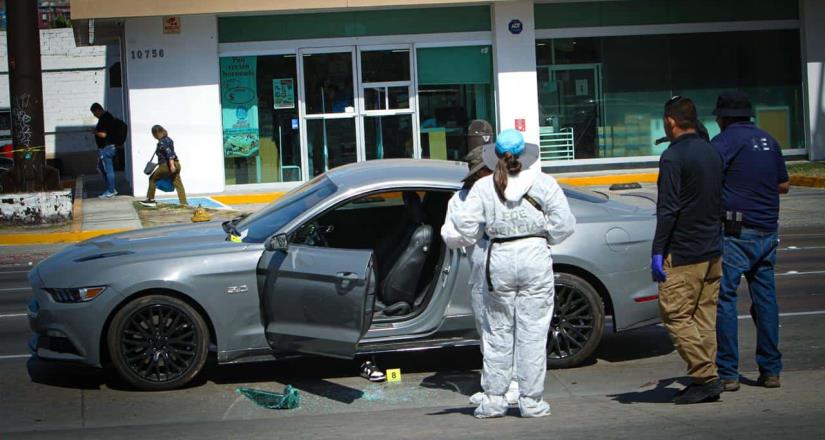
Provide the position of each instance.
(350, 263)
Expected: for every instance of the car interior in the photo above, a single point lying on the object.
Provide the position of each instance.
(403, 229)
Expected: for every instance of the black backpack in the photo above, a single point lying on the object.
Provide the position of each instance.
(121, 130)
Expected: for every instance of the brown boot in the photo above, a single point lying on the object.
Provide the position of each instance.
(730, 385)
(768, 381)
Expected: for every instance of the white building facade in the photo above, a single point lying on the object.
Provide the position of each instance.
(275, 94)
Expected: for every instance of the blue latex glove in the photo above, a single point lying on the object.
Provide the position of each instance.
(657, 269)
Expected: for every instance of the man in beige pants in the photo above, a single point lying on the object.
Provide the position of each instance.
(686, 254)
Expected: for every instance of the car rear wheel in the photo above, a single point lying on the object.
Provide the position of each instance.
(158, 342)
(578, 322)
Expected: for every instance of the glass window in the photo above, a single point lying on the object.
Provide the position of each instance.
(385, 65)
(454, 87)
(603, 97)
(260, 119)
(328, 82)
(330, 143)
(388, 137)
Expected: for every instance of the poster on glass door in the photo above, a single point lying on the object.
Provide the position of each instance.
(239, 106)
(283, 93)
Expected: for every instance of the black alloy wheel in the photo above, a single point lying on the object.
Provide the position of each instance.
(158, 342)
(578, 322)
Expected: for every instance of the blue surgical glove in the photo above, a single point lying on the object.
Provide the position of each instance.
(657, 269)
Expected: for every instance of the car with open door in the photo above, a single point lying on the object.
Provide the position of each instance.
(350, 263)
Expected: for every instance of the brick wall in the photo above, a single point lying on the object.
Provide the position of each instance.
(73, 78)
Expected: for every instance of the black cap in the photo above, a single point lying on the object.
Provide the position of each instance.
(734, 105)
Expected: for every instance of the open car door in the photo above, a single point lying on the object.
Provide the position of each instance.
(316, 300)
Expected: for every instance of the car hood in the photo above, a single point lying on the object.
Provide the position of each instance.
(119, 250)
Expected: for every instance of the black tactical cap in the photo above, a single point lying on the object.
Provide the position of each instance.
(734, 104)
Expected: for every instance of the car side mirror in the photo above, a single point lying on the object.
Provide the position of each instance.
(277, 242)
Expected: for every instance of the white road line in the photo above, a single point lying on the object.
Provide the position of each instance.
(782, 315)
(795, 272)
(14, 356)
(12, 315)
(16, 289)
(800, 248)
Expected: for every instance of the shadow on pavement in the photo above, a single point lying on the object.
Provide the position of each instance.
(467, 411)
(466, 383)
(65, 375)
(663, 393)
(643, 343)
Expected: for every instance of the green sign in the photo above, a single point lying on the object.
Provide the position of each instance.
(283, 93)
(239, 106)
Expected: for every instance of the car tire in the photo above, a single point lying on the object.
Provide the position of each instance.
(158, 342)
(578, 322)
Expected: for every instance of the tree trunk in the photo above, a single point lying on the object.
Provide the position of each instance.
(30, 173)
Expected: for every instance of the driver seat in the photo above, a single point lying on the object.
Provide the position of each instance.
(401, 257)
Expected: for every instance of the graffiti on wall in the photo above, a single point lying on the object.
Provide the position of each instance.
(22, 120)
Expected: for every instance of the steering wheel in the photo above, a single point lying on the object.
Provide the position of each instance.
(315, 234)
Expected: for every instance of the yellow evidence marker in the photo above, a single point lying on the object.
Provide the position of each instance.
(394, 375)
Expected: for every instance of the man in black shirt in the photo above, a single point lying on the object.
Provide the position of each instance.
(686, 254)
(110, 132)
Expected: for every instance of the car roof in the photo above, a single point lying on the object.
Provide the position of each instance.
(411, 172)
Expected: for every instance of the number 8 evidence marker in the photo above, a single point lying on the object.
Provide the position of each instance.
(394, 375)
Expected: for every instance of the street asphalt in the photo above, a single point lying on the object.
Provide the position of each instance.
(624, 392)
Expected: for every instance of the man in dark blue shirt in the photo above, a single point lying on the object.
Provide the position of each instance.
(686, 254)
(755, 175)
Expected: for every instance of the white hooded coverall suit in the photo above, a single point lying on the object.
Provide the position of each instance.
(519, 308)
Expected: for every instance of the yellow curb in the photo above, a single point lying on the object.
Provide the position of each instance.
(813, 182)
(53, 237)
(610, 179)
(247, 199)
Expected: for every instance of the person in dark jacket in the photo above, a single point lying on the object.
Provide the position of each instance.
(168, 168)
(755, 176)
(686, 254)
(106, 137)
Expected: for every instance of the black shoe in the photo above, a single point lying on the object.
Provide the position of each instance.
(685, 389)
(149, 203)
(706, 392)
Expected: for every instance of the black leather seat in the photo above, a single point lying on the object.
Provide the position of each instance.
(400, 258)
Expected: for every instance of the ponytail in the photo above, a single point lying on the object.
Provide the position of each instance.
(507, 165)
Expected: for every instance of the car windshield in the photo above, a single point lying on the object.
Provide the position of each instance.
(259, 226)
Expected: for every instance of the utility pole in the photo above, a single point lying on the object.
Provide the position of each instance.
(30, 173)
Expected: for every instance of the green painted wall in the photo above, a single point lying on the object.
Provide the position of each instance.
(353, 24)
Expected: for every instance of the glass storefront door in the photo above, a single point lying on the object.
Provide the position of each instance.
(329, 109)
(388, 103)
(571, 99)
(357, 104)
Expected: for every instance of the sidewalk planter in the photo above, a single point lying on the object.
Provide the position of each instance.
(36, 208)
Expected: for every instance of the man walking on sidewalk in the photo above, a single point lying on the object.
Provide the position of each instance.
(755, 175)
(686, 249)
(110, 133)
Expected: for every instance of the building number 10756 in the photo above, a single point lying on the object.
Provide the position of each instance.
(147, 53)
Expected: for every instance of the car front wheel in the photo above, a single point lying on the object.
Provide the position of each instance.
(158, 342)
(578, 322)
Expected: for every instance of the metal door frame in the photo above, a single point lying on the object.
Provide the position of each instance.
(303, 117)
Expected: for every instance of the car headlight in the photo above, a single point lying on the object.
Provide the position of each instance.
(76, 295)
